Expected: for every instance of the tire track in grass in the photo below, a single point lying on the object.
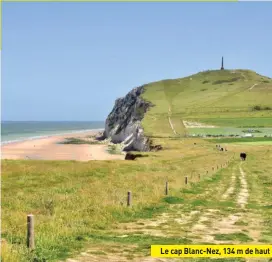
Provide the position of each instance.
(202, 228)
(174, 224)
(234, 227)
(242, 199)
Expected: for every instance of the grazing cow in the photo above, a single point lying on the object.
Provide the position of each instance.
(243, 156)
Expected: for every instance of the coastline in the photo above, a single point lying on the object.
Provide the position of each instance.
(49, 148)
(50, 135)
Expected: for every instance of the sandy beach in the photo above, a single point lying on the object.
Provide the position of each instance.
(49, 149)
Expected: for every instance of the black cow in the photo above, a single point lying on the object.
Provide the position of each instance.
(243, 156)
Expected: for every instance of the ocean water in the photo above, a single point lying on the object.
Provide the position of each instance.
(13, 131)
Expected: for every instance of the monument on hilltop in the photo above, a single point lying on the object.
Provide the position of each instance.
(222, 63)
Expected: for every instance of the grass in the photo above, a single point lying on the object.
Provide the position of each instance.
(208, 97)
(233, 237)
(173, 200)
(115, 149)
(71, 199)
(79, 204)
(241, 140)
(229, 131)
(78, 141)
(76, 203)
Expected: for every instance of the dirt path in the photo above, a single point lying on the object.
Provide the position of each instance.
(190, 124)
(230, 190)
(243, 75)
(224, 219)
(170, 122)
(232, 227)
(243, 195)
(176, 223)
(252, 86)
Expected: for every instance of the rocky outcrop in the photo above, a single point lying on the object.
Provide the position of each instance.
(123, 124)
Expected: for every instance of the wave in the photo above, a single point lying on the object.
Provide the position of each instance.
(47, 136)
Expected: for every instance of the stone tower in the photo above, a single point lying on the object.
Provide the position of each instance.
(222, 63)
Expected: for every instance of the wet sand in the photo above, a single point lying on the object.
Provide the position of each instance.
(49, 149)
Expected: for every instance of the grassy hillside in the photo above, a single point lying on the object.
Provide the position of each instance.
(228, 98)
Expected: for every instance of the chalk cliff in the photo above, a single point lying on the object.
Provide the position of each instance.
(123, 124)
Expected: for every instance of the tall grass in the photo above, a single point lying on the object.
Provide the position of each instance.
(74, 202)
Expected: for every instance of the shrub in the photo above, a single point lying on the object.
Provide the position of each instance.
(259, 108)
(234, 79)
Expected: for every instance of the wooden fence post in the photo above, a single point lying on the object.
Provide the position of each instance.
(186, 180)
(166, 188)
(30, 232)
(129, 198)
(199, 176)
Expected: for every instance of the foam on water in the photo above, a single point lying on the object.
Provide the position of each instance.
(47, 136)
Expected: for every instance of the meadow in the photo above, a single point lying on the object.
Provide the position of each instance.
(80, 207)
(229, 98)
(77, 204)
(230, 131)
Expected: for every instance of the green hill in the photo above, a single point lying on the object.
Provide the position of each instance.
(224, 98)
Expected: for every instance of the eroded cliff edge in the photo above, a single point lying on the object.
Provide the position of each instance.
(123, 124)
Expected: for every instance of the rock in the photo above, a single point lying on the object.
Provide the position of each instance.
(130, 156)
(124, 121)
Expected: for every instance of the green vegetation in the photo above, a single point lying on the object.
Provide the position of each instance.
(173, 200)
(72, 199)
(115, 149)
(256, 121)
(221, 104)
(241, 140)
(227, 131)
(259, 108)
(234, 237)
(81, 206)
(77, 203)
(78, 141)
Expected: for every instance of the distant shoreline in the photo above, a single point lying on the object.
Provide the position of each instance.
(19, 140)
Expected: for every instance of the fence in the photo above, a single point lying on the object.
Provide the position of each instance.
(30, 218)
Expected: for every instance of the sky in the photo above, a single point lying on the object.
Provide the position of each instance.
(71, 61)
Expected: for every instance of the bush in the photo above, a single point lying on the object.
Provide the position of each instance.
(234, 79)
(259, 108)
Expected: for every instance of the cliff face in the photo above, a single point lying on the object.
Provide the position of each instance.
(123, 124)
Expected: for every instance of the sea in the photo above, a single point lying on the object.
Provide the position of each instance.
(15, 131)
